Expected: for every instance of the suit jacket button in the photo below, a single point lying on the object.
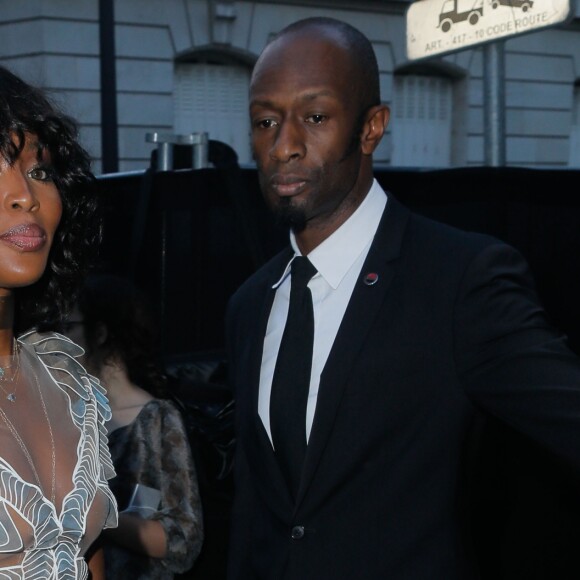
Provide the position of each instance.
(297, 532)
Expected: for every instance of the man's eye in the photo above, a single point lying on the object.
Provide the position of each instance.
(316, 119)
(40, 174)
(265, 123)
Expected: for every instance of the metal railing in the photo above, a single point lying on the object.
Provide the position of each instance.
(166, 142)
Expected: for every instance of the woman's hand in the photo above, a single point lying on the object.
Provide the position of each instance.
(140, 535)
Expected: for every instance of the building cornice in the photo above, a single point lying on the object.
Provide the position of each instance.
(381, 6)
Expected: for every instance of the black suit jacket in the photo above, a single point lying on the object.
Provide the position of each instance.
(451, 331)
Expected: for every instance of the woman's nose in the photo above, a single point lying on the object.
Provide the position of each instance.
(15, 190)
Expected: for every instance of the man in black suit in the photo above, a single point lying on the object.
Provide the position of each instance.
(420, 330)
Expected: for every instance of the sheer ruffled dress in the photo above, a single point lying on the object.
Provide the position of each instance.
(52, 508)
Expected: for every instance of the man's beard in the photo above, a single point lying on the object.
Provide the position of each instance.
(290, 216)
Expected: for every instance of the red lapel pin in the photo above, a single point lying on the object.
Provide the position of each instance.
(371, 278)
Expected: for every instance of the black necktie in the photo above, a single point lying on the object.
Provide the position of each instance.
(291, 381)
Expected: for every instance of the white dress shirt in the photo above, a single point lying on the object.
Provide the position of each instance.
(339, 260)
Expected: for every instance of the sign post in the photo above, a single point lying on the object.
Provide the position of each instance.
(494, 104)
(438, 27)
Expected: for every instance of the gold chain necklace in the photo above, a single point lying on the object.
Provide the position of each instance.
(22, 445)
(11, 395)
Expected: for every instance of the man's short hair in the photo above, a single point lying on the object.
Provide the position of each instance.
(357, 44)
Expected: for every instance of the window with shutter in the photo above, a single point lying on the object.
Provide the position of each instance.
(214, 98)
(421, 121)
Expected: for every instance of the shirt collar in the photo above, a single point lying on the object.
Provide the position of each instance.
(347, 242)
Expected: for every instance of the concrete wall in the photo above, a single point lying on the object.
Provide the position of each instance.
(55, 43)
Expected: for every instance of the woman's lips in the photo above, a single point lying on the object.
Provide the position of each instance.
(25, 237)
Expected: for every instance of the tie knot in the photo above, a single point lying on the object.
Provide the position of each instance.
(302, 271)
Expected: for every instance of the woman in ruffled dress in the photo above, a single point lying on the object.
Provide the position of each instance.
(54, 459)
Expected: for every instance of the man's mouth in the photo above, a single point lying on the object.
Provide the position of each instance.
(287, 185)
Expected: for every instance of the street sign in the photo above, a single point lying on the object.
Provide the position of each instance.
(441, 26)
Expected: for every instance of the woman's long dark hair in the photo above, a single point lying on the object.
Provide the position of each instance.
(26, 110)
(119, 324)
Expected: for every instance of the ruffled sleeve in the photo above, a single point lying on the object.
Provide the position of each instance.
(58, 354)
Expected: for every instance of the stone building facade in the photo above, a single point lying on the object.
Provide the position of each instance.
(183, 66)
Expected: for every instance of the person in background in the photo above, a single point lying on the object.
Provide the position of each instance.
(160, 530)
(54, 459)
(366, 357)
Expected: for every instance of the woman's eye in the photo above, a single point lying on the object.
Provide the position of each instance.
(40, 174)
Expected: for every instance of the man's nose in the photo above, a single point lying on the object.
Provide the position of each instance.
(289, 143)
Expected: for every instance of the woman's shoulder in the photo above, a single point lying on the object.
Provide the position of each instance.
(159, 416)
(59, 355)
(50, 343)
(160, 409)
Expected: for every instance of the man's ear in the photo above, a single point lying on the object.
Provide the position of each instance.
(376, 121)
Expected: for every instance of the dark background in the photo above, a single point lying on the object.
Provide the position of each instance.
(194, 236)
(189, 238)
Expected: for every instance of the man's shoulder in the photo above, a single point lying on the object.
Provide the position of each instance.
(430, 236)
(434, 233)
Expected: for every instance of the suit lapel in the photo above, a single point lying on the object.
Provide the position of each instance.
(260, 450)
(361, 313)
